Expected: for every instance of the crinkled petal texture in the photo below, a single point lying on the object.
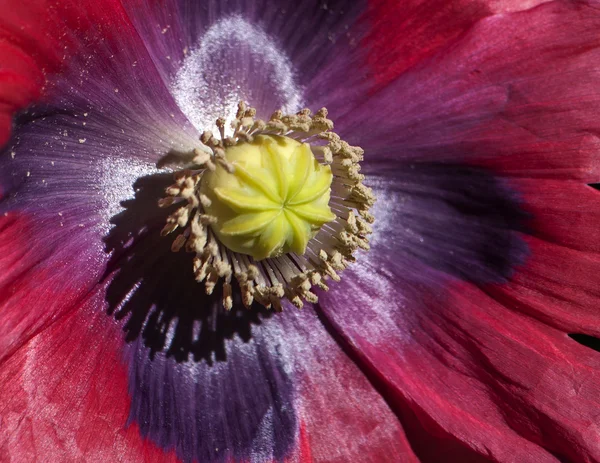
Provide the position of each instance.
(447, 342)
(468, 354)
(110, 350)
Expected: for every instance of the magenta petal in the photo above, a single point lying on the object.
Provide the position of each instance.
(68, 166)
(459, 220)
(270, 54)
(36, 257)
(517, 93)
(456, 361)
(240, 382)
(62, 184)
(64, 394)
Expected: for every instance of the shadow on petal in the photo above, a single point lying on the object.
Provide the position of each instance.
(154, 288)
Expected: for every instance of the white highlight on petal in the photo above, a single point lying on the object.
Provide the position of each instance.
(384, 223)
(234, 61)
(117, 184)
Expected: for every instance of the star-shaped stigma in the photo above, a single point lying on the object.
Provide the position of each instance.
(273, 202)
(279, 205)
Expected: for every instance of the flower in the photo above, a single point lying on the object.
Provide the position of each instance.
(447, 341)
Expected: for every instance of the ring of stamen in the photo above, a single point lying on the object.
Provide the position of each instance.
(290, 275)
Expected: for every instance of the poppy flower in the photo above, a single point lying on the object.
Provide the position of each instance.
(459, 336)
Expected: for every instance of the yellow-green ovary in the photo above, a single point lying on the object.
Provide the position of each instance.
(274, 202)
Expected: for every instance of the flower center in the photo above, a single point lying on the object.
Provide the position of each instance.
(275, 200)
(279, 206)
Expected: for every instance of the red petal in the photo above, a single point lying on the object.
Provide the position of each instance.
(23, 60)
(516, 93)
(345, 418)
(65, 395)
(484, 382)
(40, 37)
(405, 33)
(40, 279)
(565, 213)
(559, 285)
(489, 372)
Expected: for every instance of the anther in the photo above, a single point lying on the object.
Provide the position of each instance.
(225, 209)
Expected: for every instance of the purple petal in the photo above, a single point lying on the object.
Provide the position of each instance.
(518, 98)
(456, 219)
(242, 382)
(213, 54)
(203, 382)
(238, 408)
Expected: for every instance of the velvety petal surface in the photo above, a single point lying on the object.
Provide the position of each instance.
(403, 34)
(234, 386)
(102, 122)
(260, 402)
(497, 356)
(461, 220)
(487, 370)
(65, 394)
(214, 54)
(62, 184)
(41, 38)
(25, 56)
(243, 385)
(485, 382)
(424, 315)
(558, 285)
(506, 96)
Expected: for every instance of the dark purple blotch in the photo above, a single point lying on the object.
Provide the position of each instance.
(240, 409)
(458, 219)
(204, 382)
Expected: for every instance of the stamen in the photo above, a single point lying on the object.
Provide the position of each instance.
(289, 266)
